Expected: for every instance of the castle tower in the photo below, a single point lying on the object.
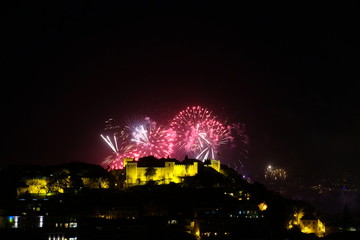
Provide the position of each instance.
(127, 160)
(169, 171)
(131, 173)
(215, 164)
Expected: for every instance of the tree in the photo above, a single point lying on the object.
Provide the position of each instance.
(37, 186)
(102, 182)
(59, 180)
(117, 178)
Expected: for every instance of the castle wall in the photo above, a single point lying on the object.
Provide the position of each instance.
(163, 175)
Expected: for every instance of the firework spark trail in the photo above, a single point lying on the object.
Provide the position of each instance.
(119, 145)
(115, 161)
(140, 135)
(108, 141)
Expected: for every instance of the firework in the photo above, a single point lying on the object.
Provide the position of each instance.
(275, 173)
(198, 133)
(118, 143)
(151, 140)
(138, 139)
(236, 151)
(194, 132)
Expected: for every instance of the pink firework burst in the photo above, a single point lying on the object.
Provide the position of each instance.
(198, 133)
(151, 140)
(138, 139)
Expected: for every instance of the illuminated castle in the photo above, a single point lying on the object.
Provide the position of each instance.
(171, 171)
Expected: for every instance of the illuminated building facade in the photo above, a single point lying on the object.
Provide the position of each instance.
(307, 224)
(170, 172)
(312, 225)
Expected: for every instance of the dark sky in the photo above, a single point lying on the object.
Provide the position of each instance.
(289, 72)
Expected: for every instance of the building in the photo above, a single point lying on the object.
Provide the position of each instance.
(307, 223)
(312, 225)
(169, 171)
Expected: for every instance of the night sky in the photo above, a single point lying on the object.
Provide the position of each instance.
(289, 72)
